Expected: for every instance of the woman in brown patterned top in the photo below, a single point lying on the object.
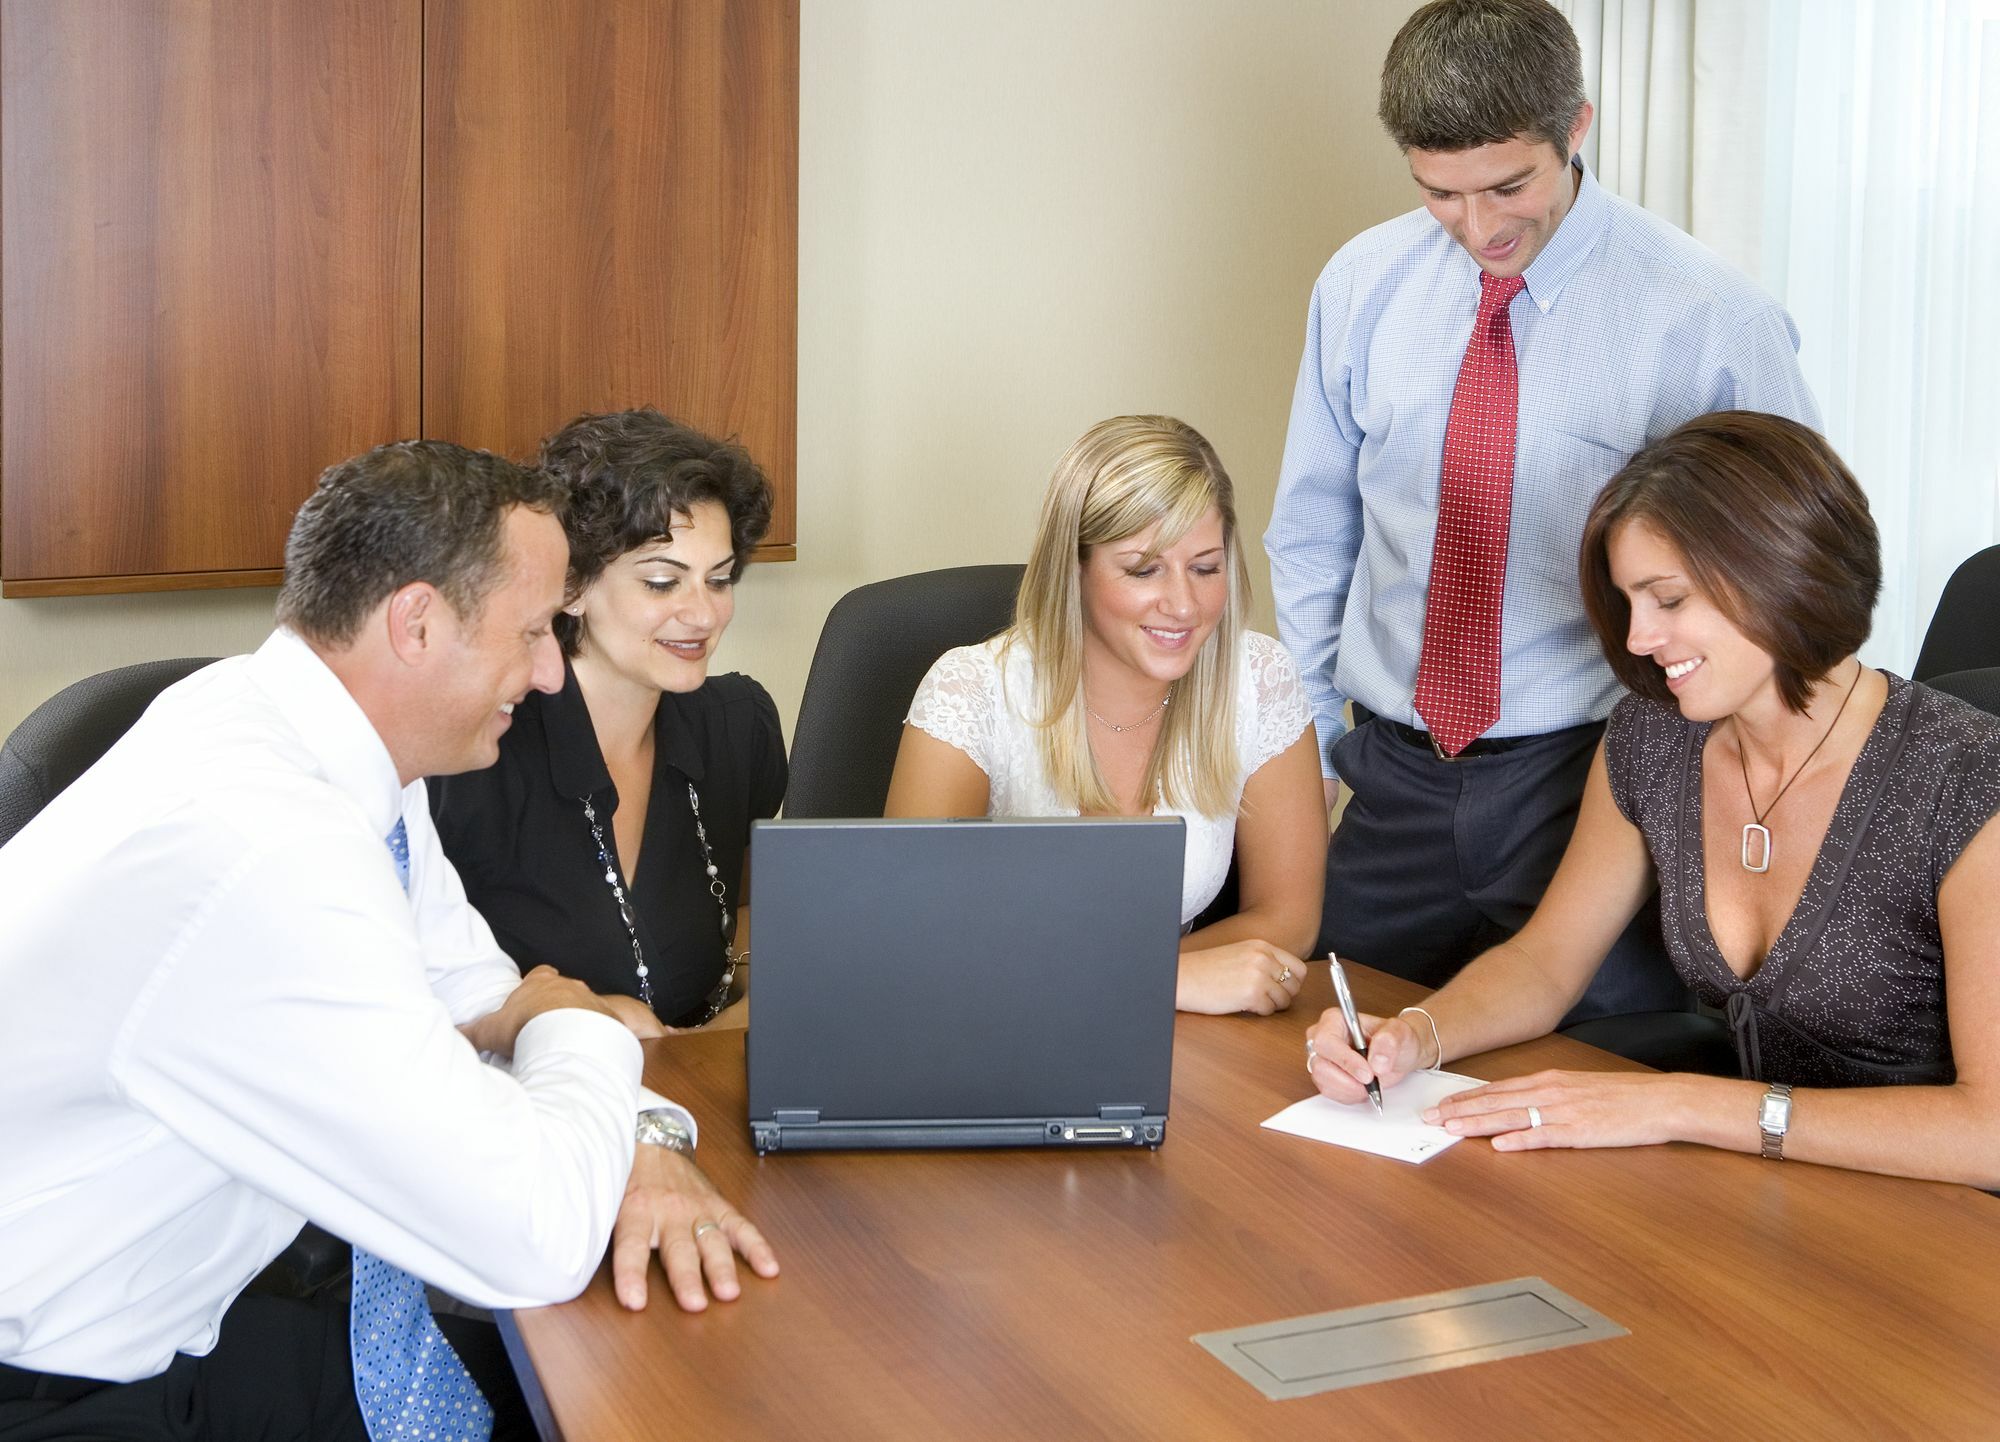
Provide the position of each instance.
(1822, 835)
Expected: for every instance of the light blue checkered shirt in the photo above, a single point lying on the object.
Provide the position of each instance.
(1627, 328)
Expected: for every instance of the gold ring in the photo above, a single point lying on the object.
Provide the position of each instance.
(1285, 975)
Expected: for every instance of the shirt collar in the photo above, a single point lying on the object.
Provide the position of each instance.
(1589, 213)
(674, 739)
(576, 761)
(1572, 243)
(331, 725)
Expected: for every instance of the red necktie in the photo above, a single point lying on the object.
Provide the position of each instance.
(1458, 672)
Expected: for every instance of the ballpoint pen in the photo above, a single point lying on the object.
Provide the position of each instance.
(1354, 1036)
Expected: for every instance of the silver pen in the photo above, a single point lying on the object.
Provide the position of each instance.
(1354, 1036)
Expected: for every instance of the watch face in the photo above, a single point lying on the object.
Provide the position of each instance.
(659, 1131)
(1775, 1114)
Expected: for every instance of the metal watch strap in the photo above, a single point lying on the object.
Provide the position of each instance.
(1777, 1100)
(657, 1128)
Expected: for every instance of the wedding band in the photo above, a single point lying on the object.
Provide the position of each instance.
(1312, 1055)
(700, 1227)
(1534, 1117)
(1285, 975)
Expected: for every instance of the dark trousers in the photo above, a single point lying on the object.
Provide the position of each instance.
(280, 1372)
(1435, 861)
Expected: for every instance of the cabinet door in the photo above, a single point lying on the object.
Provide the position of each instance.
(611, 219)
(210, 241)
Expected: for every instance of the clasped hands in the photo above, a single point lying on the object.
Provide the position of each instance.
(1526, 1113)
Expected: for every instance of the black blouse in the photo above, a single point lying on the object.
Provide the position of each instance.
(517, 834)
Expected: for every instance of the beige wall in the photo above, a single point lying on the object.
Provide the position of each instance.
(1015, 219)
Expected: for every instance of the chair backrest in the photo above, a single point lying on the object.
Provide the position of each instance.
(1980, 687)
(63, 737)
(1964, 635)
(876, 645)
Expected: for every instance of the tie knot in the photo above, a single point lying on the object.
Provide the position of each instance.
(1496, 292)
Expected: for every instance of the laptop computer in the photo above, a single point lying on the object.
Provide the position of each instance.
(971, 983)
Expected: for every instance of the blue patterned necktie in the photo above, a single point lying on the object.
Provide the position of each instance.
(409, 1382)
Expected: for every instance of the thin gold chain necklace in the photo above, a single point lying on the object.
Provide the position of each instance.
(1130, 725)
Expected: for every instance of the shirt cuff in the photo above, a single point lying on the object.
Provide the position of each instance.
(1329, 730)
(651, 1101)
(572, 1029)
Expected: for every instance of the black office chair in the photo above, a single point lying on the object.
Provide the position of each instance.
(64, 736)
(60, 740)
(876, 645)
(1980, 687)
(1964, 635)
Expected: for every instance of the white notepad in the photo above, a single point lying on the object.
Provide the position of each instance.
(1398, 1132)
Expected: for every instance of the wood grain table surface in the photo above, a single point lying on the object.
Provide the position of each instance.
(1052, 1294)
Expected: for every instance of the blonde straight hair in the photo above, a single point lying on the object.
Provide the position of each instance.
(1121, 476)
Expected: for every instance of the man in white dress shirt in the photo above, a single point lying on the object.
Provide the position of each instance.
(229, 1010)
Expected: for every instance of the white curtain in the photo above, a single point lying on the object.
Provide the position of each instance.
(1845, 153)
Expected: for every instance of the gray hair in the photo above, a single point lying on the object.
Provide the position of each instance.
(403, 512)
(1463, 73)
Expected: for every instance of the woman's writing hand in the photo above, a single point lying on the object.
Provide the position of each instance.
(1395, 1049)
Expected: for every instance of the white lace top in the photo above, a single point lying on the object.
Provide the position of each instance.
(966, 701)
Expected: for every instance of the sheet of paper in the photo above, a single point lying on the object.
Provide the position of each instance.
(1397, 1133)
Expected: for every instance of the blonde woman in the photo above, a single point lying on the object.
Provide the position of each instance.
(1127, 686)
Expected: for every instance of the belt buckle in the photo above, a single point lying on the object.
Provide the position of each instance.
(1437, 750)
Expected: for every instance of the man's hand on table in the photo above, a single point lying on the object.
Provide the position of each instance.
(666, 1202)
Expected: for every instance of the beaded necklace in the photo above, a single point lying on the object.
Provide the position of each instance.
(718, 996)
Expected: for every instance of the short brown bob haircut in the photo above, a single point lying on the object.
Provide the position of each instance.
(1774, 530)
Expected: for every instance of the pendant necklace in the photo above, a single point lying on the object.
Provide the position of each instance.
(1134, 725)
(1755, 832)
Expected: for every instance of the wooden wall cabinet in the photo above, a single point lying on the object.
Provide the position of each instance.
(243, 239)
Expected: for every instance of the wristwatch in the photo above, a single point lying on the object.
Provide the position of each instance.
(1774, 1115)
(659, 1128)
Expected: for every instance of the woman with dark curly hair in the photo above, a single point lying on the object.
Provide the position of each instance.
(610, 839)
(1823, 837)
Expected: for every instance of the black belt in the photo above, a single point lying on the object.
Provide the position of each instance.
(1484, 746)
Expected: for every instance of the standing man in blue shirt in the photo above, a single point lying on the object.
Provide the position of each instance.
(1474, 372)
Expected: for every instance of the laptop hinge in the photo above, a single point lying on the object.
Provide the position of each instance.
(796, 1117)
(1123, 1113)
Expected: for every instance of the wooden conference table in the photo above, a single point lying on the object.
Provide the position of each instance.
(1051, 1295)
